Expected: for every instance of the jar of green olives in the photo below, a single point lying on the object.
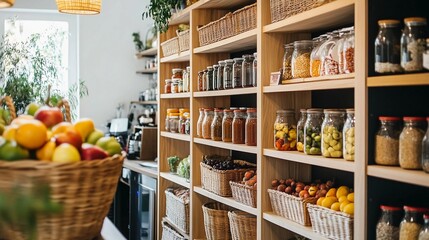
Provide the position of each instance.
(313, 125)
(332, 133)
(285, 130)
(300, 130)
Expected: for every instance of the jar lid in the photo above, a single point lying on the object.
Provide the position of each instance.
(215, 66)
(176, 70)
(315, 110)
(426, 216)
(389, 208)
(188, 68)
(303, 110)
(228, 110)
(209, 68)
(186, 115)
(285, 111)
(388, 118)
(238, 59)
(176, 79)
(415, 21)
(333, 110)
(415, 209)
(350, 110)
(303, 42)
(251, 110)
(233, 108)
(388, 23)
(408, 119)
(172, 110)
(168, 80)
(174, 115)
(183, 109)
(221, 62)
(288, 45)
(208, 109)
(239, 110)
(218, 110)
(229, 61)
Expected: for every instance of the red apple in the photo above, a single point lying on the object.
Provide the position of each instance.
(91, 152)
(70, 136)
(50, 116)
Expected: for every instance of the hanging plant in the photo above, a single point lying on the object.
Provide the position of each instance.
(160, 11)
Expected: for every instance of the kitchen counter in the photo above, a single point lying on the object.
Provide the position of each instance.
(136, 166)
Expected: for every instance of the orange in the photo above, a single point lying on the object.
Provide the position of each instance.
(46, 152)
(31, 134)
(61, 127)
(10, 132)
(84, 126)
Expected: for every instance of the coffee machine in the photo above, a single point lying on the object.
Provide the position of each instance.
(119, 129)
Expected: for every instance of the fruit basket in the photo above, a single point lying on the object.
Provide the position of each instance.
(216, 222)
(243, 193)
(177, 210)
(168, 232)
(243, 225)
(331, 224)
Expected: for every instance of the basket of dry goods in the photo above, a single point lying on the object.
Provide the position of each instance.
(57, 184)
(281, 9)
(183, 36)
(245, 191)
(177, 207)
(245, 18)
(168, 232)
(216, 222)
(170, 47)
(218, 171)
(242, 225)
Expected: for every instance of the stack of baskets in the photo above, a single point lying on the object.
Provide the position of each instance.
(177, 44)
(281, 9)
(177, 211)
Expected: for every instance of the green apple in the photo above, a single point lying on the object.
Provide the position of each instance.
(32, 108)
(94, 136)
(11, 151)
(110, 145)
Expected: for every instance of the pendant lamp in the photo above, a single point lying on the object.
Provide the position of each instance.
(6, 3)
(83, 7)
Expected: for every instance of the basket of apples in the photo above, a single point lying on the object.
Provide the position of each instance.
(79, 166)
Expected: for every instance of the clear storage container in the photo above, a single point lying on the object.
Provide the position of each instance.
(251, 130)
(209, 79)
(200, 123)
(387, 141)
(410, 143)
(349, 136)
(215, 75)
(207, 122)
(315, 56)
(167, 87)
(238, 126)
(228, 116)
(247, 71)
(287, 62)
(174, 122)
(387, 47)
(388, 224)
(285, 130)
(329, 56)
(220, 75)
(410, 226)
(301, 58)
(300, 130)
(255, 70)
(216, 125)
(205, 87)
(348, 50)
(227, 74)
(237, 72)
(312, 132)
(200, 81)
(413, 44)
(424, 233)
(425, 150)
(332, 133)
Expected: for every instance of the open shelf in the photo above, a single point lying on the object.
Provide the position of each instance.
(177, 136)
(399, 80)
(416, 177)
(334, 163)
(229, 92)
(334, 14)
(292, 226)
(175, 95)
(151, 52)
(185, 235)
(145, 102)
(226, 200)
(179, 57)
(175, 179)
(224, 145)
(148, 71)
(242, 41)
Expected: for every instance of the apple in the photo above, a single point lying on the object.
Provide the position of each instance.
(70, 136)
(32, 108)
(66, 153)
(91, 152)
(94, 136)
(50, 116)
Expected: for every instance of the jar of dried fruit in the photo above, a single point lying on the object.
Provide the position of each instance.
(387, 141)
(301, 58)
(413, 44)
(312, 131)
(285, 130)
(410, 143)
(349, 136)
(387, 47)
(425, 150)
(287, 62)
(388, 224)
(300, 130)
(412, 222)
(332, 133)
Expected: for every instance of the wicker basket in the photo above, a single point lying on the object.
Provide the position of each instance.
(281, 9)
(243, 194)
(291, 207)
(170, 47)
(85, 191)
(216, 30)
(216, 222)
(217, 181)
(168, 233)
(184, 43)
(242, 224)
(331, 224)
(245, 18)
(177, 211)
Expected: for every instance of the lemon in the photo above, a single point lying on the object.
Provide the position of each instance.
(31, 134)
(328, 201)
(342, 191)
(349, 208)
(66, 153)
(343, 204)
(84, 126)
(335, 206)
(319, 201)
(331, 192)
(342, 199)
(351, 197)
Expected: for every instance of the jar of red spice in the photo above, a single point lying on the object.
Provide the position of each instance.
(251, 129)
(238, 126)
(228, 116)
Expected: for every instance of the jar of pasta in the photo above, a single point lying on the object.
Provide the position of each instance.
(250, 132)
(285, 130)
(228, 116)
(238, 126)
(216, 125)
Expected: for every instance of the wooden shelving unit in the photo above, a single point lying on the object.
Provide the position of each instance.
(416, 79)
(151, 52)
(242, 41)
(417, 177)
(229, 92)
(175, 179)
(179, 57)
(175, 95)
(224, 145)
(319, 83)
(177, 136)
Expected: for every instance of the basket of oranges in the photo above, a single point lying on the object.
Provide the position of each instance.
(74, 162)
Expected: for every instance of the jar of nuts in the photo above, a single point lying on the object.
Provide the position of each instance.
(300, 130)
(301, 58)
(424, 233)
(388, 224)
(312, 131)
(412, 222)
(285, 130)
(349, 136)
(332, 133)
(410, 143)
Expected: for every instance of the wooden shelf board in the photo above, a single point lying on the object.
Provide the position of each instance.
(175, 95)
(224, 145)
(180, 57)
(229, 92)
(330, 15)
(399, 80)
(316, 83)
(292, 226)
(175, 179)
(177, 136)
(416, 177)
(147, 53)
(242, 41)
(147, 71)
(226, 200)
(334, 163)
(182, 16)
(145, 102)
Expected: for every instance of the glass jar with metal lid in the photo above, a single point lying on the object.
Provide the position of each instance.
(205, 87)
(215, 75)
(177, 73)
(424, 232)
(387, 141)
(237, 72)
(208, 119)
(251, 127)
(255, 70)
(287, 62)
(413, 44)
(167, 117)
(247, 71)
(200, 81)
(228, 116)
(301, 58)
(388, 224)
(238, 126)
(216, 125)
(349, 136)
(300, 130)
(167, 87)
(174, 122)
(285, 130)
(425, 150)
(412, 222)
(220, 75)
(332, 133)
(209, 79)
(329, 55)
(227, 74)
(312, 132)
(410, 143)
(387, 47)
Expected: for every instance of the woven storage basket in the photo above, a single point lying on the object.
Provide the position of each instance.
(207, 33)
(217, 30)
(242, 224)
(84, 189)
(291, 207)
(243, 194)
(177, 211)
(170, 47)
(184, 43)
(168, 233)
(217, 181)
(245, 18)
(331, 224)
(216, 222)
(225, 27)
(281, 9)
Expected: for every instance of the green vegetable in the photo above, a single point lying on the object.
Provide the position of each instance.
(173, 161)
(184, 168)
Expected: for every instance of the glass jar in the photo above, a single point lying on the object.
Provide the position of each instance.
(349, 136)
(215, 74)
(182, 119)
(425, 150)
(237, 72)
(312, 127)
(342, 34)
(227, 74)
(187, 79)
(332, 133)
(387, 47)
(388, 224)
(188, 125)
(200, 81)
(387, 141)
(167, 87)
(287, 62)
(205, 87)
(410, 143)
(315, 56)
(300, 130)
(174, 122)
(413, 44)
(426, 55)
(247, 71)
(216, 125)
(285, 130)
(424, 233)
(200, 123)
(329, 64)
(238, 126)
(220, 75)
(255, 70)
(207, 122)
(228, 116)
(251, 130)
(175, 85)
(167, 117)
(209, 79)
(411, 224)
(177, 73)
(348, 50)
(180, 85)
(301, 58)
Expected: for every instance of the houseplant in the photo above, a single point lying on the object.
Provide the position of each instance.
(160, 11)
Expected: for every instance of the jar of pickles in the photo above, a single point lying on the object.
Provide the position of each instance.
(387, 141)
(388, 224)
(349, 136)
(410, 143)
(300, 130)
(220, 75)
(167, 87)
(215, 74)
(287, 62)
(425, 150)
(174, 122)
(216, 125)
(238, 126)
(200, 81)
(413, 44)
(207, 122)
(424, 233)
(200, 123)
(332, 133)
(209, 79)
(255, 69)
(411, 223)
(227, 74)
(247, 71)
(237, 72)
(285, 130)
(251, 130)
(387, 47)
(228, 116)
(312, 131)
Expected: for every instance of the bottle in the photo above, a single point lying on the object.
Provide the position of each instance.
(285, 130)
(387, 47)
(413, 44)
(388, 224)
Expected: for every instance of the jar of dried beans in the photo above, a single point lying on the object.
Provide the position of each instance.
(388, 224)
(287, 62)
(285, 131)
(329, 56)
(207, 122)
(251, 129)
(348, 50)
(238, 126)
(387, 141)
(412, 222)
(301, 58)
(228, 115)
(413, 44)
(410, 143)
(216, 125)
(387, 47)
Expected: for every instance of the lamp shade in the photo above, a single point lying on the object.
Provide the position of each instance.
(84, 7)
(6, 3)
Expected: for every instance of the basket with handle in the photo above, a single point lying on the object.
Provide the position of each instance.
(216, 222)
(184, 43)
(242, 224)
(7, 100)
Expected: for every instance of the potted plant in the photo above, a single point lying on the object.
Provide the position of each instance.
(161, 10)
